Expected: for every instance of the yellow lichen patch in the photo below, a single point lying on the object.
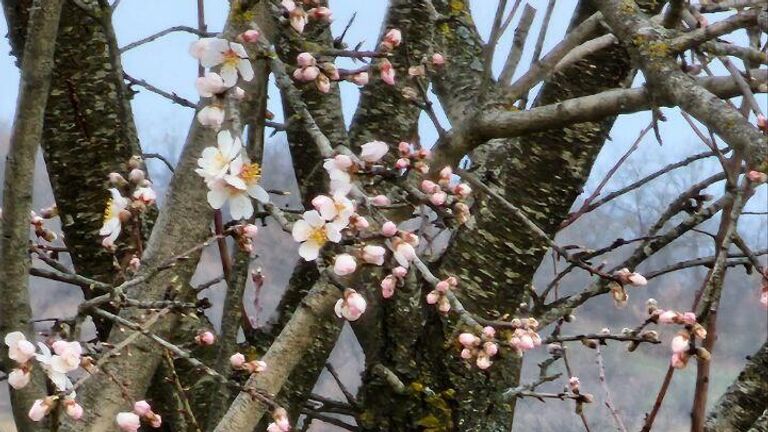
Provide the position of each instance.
(457, 6)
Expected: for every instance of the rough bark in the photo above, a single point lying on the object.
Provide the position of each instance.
(743, 404)
(15, 313)
(89, 126)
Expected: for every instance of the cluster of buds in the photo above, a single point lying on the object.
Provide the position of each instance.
(298, 17)
(391, 281)
(37, 222)
(42, 407)
(448, 193)
(280, 423)
(411, 158)
(239, 362)
(119, 208)
(131, 421)
(245, 235)
(682, 344)
(309, 70)
(524, 337)
(757, 176)
(479, 348)
(346, 264)
(439, 295)
(351, 306)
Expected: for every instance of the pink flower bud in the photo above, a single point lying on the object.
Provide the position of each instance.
(442, 286)
(490, 348)
(373, 151)
(393, 37)
(136, 175)
(466, 354)
(250, 36)
(74, 410)
(468, 339)
(40, 408)
(19, 378)
(446, 173)
(489, 332)
(452, 281)
(128, 422)
(389, 229)
(443, 305)
(680, 344)
(404, 148)
(574, 384)
(321, 14)
(438, 59)
(388, 285)
(762, 122)
(255, 366)
(433, 297)
(237, 361)
(205, 338)
(360, 79)
(344, 265)
(402, 163)
(374, 254)
(134, 264)
(142, 408)
(387, 72)
(428, 186)
(483, 362)
(679, 360)
(238, 93)
(667, 317)
(689, 318)
(462, 190)
(155, 420)
(438, 198)
(323, 83)
(757, 177)
(380, 200)
(305, 59)
(399, 272)
(250, 230)
(361, 223)
(526, 343)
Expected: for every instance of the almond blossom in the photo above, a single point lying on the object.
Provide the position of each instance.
(312, 231)
(344, 265)
(338, 208)
(215, 161)
(210, 84)
(56, 366)
(374, 254)
(40, 408)
(20, 349)
(296, 15)
(387, 72)
(393, 38)
(19, 378)
(211, 116)
(230, 55)
(351, 307)
(237, 188)
(128, 421)
(112, 216)
(373, 151)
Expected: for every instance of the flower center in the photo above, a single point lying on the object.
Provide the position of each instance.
(318, 236)
(109, 212)
(250, 173)
(231, 58)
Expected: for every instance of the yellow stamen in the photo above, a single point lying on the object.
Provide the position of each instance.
(318, 236)
(109, 211)
(250, 173)
(231, 58)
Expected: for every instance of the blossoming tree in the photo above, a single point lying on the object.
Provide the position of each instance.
(428, 258)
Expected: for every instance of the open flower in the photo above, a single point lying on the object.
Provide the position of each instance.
(351, 307)
(338, 208)
(230, 55)
(237, 188)
(56, 366)
(313, 232)
(210, 84)
(112, 222)
(20, 349)
(215, 161)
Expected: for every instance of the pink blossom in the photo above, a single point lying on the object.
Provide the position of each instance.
(679, 360)
(442, 286)
(344, 265)
(399, 271)
(250, 230)
(250, 36)
(237, 360)
(351, 307)
(490, 348)
(374, 254)
(438, 198)
(74, 410)
(757, 177)
(210, 84)
(667, 317)
(255, 366)
(142, 408)
(680, 344)
(388, 285)
(211, 116)
(205, 338)
(128, 421)
(433, 297)
(40, 408)
(438, 59)
(393, 38)
(689, 318)
(402, 163)
(462, 190)
(321, 14)
(443, 305)
(489, 332)
(360, 78)
(389, 229)
(19, 378)
(483, 362)
(428, 186)
(305, 59)
(468, 340)
(20, 349)
(387, 72)
(380, 200)
(466, 354)
(526, 343)
(446, 173)
(134, 264)
(404, 254)
(373, 151)
(306, 74)
(136, 175)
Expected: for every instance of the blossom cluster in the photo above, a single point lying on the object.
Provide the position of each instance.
(298, 17)
(481, 348)
(131, 421)
(439, 295)
(65, 358)
(524, 336)
(37, 220)
(682, 344)
(120, 208)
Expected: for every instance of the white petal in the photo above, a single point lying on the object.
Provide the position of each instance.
(246, 70)
(333, 232)
(229, 74)
(259, 193)
(236, 182)
(217, 197)
(301, 230)
(14, 337)
(309, 250)
(240, 206)
(238, 49)
(313, 218)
